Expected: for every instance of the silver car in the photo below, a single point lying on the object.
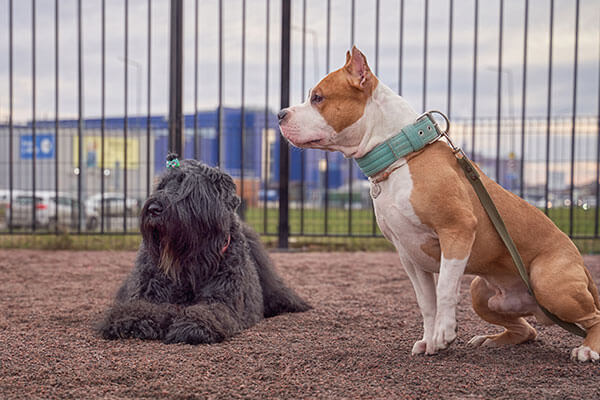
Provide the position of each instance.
(50, 211)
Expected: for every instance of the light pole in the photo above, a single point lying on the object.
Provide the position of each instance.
(315, 38)
(138, 78)
(511, 111)
(511, 105)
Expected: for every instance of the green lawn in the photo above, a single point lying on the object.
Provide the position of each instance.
(363, 223)
(583, 220)
(312, 227)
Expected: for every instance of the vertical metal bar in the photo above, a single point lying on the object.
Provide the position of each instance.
(284, 164)
(499, 90)
(373, 217)
(149, 100)
(33, 119)
(79, 117)
(377, 10)
(549, 107)
(352, 23)
(103, 114)
(474, 95)
(10, 115)
(176, 142)
(326, 183)
(243, 112)
(597, 212)
(524, 101)
(56, 124)
(196, 79)
(350, 161)
(125, 111)
(220, 109)
(574, 118)
(401, 47)
(266, 117)
(449, 80)
(303, 92)
(425, 39)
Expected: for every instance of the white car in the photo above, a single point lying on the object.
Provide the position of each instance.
(49, 212)
(113, 204)
(5, 204)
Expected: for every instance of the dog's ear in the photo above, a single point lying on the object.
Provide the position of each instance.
(360, 75)
(227, 189)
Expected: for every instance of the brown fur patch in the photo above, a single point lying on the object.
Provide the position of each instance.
(346, 91)
(343, 104)
(444, 200)
(432, 248)
(168, 263)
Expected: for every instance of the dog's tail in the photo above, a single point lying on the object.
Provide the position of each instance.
(277, 297)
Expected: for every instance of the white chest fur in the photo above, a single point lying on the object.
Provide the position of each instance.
(399, 223)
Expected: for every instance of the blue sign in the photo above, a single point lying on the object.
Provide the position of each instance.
(44, 146)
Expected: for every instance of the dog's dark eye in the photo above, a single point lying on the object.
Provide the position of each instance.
(316, 99)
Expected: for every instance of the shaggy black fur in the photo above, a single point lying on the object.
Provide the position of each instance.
(184, 287)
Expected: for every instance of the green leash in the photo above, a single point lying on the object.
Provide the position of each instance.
(491, 210)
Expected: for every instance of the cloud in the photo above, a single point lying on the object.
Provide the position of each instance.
(316, 58)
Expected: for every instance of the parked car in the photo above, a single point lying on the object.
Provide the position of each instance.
(5, 204)
(113, 204)
(50, 211)
(4, 198)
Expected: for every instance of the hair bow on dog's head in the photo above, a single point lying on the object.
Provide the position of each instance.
(172, 161)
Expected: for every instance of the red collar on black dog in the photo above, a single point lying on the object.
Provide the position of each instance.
(224, 249)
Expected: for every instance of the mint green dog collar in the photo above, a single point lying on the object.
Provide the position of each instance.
(410, 139)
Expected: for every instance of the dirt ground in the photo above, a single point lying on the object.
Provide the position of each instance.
(355, 343)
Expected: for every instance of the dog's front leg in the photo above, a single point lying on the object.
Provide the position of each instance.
(456, 247)
(203, 323)
(136, 319)
(424, 286)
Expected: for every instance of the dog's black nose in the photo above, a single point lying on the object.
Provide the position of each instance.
(281, 115)
(155, 208)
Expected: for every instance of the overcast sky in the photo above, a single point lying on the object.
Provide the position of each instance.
(316, 56)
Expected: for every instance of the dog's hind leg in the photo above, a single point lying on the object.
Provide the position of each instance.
(569, 292)
(277, 297)
(517, 330)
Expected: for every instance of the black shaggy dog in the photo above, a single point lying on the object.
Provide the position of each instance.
(201, 275)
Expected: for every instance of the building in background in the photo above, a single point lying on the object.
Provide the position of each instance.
(115, 161)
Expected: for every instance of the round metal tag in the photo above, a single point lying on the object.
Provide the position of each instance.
(375, 190)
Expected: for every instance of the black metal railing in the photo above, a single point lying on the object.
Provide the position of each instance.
(509, 75)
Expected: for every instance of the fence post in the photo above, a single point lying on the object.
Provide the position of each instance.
(284, 166)
(175, 79)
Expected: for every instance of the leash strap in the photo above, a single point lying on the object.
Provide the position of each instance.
(491, 210)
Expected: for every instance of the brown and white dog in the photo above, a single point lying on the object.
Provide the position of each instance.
(431, 214)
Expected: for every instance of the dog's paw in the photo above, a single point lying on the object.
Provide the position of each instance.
(130, 328)
(419, 347)
(584, 354)
(443, 335)
(479, 340)
(113, 329)
(191, 333)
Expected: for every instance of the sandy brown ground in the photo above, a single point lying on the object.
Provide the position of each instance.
(355, 343)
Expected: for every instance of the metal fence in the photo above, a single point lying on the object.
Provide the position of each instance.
(93, 94)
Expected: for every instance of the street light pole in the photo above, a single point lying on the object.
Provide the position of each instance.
(138, 81)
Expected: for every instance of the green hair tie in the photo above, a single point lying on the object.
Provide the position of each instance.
(174, 163)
